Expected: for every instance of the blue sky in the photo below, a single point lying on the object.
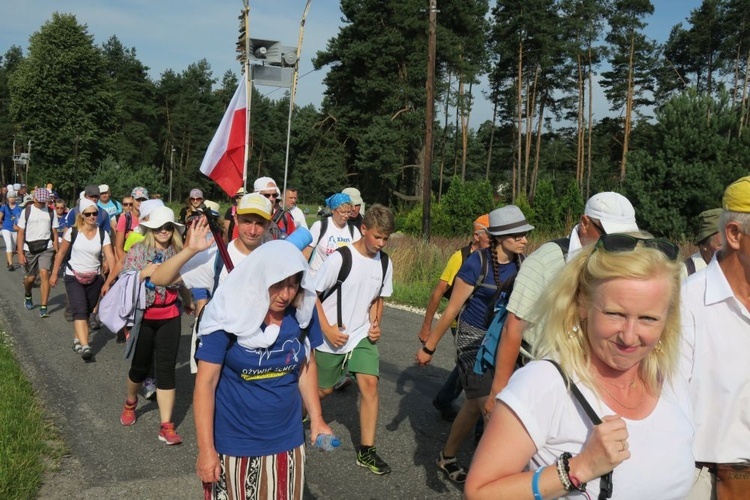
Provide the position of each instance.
(170, 34)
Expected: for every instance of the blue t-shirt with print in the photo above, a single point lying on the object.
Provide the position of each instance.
(10, 216)
(113, 208)
(475, 313)
(258, 406)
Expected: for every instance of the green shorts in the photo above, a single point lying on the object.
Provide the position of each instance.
(363, 359)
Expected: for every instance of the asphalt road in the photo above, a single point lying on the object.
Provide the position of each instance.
(107, 460)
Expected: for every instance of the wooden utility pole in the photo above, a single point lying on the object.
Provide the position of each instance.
(628, 111)
(429, 119)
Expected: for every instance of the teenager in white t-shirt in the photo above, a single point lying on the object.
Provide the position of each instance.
(353, 347)
(338, 232)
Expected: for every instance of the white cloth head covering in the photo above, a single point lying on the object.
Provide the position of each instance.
(86, 203)
(241, 302)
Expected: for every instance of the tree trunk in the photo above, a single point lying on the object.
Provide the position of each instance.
(445, 138)
(519, 145)
(465, 114)
(459, 112)
(590, 127)
(581, 125)
(492, 141)
(628, 110)
(530, 105)
(537, 153)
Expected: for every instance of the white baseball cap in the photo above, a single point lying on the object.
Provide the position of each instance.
(615, 212)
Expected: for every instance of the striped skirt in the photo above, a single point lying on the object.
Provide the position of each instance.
(271, 477)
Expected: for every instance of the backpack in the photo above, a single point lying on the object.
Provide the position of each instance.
(280, 224)
(73, 235)
(465, 252)
(324, 228)
(128, 221)
(346, 267)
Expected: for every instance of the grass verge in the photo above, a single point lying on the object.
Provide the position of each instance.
(28, 443)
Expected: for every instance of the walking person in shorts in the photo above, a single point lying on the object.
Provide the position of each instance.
(36, 246)
(352, 327)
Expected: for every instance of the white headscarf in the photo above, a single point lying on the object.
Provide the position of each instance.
(241, 302)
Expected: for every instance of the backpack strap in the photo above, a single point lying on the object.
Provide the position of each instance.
(384, 267)
(346, 267)
(564, 244)
(323, 229)
(218, 267)
(74, 235)
(690, 265)
(605, 483)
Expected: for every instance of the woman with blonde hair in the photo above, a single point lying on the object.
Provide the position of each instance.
(611, 324)
(158, 339)
(84, 246)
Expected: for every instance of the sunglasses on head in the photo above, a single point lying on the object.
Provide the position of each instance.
(626, 243)
(89, 214)
(168, 228)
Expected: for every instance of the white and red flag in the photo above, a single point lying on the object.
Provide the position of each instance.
(225, 157)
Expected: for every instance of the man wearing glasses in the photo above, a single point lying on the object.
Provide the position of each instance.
(605, 213)
(282, 222)
(90, 192)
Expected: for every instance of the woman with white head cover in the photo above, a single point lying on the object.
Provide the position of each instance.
(84, 248)
(255, 370)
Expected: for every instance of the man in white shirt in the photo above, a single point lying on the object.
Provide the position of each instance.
(36, 247)
(714, 358)
(290, 201)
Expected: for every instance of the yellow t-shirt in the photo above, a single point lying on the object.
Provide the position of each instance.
(451, 268)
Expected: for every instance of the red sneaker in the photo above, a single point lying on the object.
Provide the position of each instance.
(168, 435)
(127, 417)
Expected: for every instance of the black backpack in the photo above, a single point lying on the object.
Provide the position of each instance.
(324, 228)
(346, 267)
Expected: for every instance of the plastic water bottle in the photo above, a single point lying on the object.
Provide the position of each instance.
(157, 260)
(327, 442)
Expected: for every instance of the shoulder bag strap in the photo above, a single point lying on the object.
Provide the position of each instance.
(605, 482)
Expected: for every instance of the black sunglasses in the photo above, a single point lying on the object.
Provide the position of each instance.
(168, 227)
(127, 204)
(89, 214)
(627, 243)
(270, 195)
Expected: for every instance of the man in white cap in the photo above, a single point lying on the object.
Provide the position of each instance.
(111, 207)
(605, 213)
(358, 205)
(282, 223)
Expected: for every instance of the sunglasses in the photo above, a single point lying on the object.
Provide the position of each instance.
(270, 195)
(166, 228)
(519, 236)
(89, 214)
(127, 204)
(196, 199)
(626, 243)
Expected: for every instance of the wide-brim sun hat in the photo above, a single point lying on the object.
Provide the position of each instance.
(160, 216)
(508, 220)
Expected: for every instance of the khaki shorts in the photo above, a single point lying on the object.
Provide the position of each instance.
(363, 359)
(35, 262)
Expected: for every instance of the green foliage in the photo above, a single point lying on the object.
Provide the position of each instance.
(440, 224)
(696, 154)
(122, 178)
(464, 202)
(62, 101)
(523, 203)
(547, 209)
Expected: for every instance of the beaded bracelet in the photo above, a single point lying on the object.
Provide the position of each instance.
(563, 472)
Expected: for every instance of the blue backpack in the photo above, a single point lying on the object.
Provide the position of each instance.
(488, 348)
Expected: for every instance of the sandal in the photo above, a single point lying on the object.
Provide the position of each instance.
(450, 466)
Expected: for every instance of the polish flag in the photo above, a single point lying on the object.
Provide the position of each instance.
(225, 156)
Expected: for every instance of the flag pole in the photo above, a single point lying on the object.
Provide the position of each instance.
(248, 92)
(292, 95)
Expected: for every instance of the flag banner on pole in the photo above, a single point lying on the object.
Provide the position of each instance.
(225, 156)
